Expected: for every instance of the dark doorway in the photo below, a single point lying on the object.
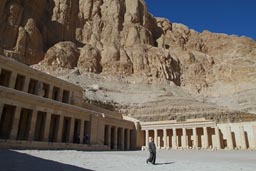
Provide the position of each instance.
(6, 121)
(24, 124)
(40, 126)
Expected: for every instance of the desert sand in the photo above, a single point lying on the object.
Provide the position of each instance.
(39, 160)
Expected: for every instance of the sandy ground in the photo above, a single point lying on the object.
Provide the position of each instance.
(37, 160)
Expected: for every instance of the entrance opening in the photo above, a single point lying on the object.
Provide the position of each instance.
(6, 121)
(66, 129)
(24, 124)
(19, 84)
(76, 135)
(5, 77)
(40, 126)
(54, 128)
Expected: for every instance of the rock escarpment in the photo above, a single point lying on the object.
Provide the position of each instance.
(121, 39)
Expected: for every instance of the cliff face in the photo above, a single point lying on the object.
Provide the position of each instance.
(120, 38)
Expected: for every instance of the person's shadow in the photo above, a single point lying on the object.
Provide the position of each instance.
(164, 163)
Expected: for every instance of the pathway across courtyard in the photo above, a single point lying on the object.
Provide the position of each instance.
(42, 160)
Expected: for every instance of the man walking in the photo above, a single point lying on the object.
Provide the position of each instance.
(152, 151)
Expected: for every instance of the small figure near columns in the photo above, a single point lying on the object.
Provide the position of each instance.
(152, 151)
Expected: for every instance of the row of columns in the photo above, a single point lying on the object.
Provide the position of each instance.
(31, 132)
(184, 138)
(13, 80)
(239, 140)
(111, 137)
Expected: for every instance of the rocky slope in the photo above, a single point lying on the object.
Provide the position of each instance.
(120, 40)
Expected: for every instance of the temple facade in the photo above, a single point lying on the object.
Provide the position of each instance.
(39, 111)
(200, 134)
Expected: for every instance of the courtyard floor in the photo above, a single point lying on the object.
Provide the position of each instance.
(44, 160)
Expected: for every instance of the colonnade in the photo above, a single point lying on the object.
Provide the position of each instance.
(117, 138)
(183, 137)
(203, 137)
(19, 123)
(35, 106)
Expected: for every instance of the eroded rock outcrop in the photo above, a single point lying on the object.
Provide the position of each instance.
(63, 54)
(120, 38)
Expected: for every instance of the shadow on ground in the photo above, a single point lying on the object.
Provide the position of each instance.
(14, 161)
(164, 163)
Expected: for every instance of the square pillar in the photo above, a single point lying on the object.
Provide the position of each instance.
(184, 138)
(60, 95)
(128, 139)
(13, 80)
(32, 126)
(206, 141)
(109, 136)
(47, 126)
(217, 138)
(122, 138)
(115, 138)
(1, 110)
(195, 138)
(26, 84)
(72, 127)
(229, 138)
(254, 135)
(165, 138)
(146, 137)
(155, 137)
(81, 135)
(50, 91)
(60, 129)
(168, 142)
(174, 139)
(15, 125)
(242, 137)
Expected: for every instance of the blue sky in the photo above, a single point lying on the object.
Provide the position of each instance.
(220, 16)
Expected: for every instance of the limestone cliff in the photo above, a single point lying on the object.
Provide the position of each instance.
(120, 39)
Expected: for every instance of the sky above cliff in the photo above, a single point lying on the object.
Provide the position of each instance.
(220, 16)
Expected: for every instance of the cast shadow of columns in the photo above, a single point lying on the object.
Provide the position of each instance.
(14, 161)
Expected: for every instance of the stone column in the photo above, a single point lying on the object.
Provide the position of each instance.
(217, 138)
(168, 142)
(13, 80)
(50, 91)
(115, 138)
(15, 125)
(229, 138)
(206, 141)
(72, 127)
(60, 95)
(26, 84)
(165, 138)
(195, 139)
(254, 136)
(69, 97)
(128, 139)
(81, 135)
(47, 126)
(122, 138)
(155, 137)
(242, 137)
(146, 137)
(174, 139)
(1, 110)
(109, 136)
(32, 126)
(184, 138)
(60, 129)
